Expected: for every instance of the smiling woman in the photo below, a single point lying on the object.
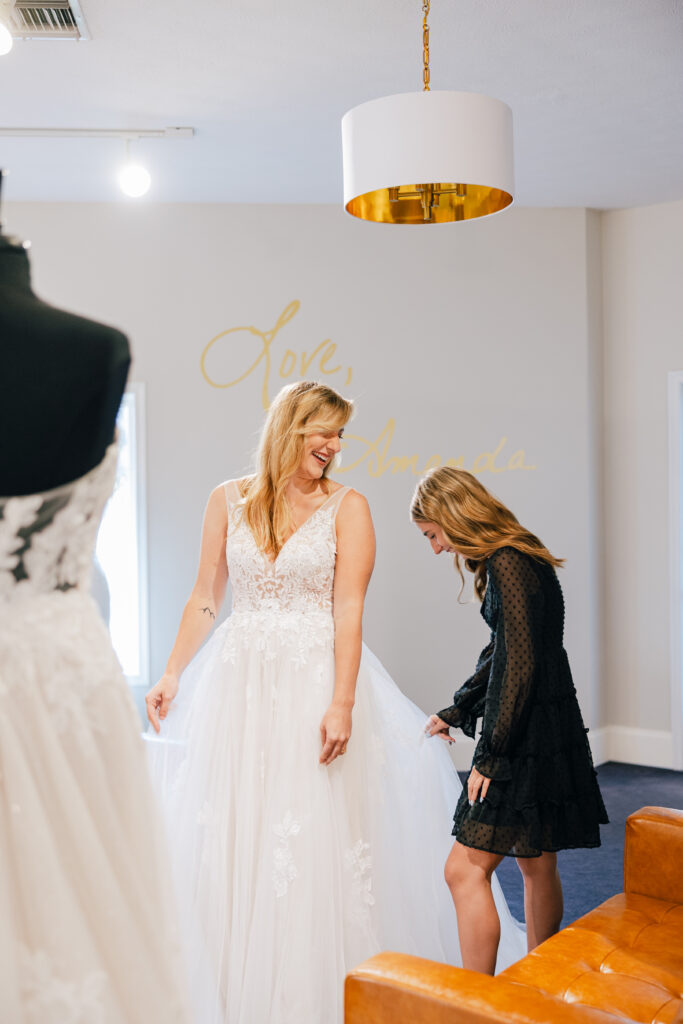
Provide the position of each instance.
(309, 805)
(300, 439)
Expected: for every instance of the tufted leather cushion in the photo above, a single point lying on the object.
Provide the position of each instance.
(625, 957)
(622, 961)
(653, 853)
(394, 988)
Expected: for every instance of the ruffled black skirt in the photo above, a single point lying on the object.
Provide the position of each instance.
(552, 801)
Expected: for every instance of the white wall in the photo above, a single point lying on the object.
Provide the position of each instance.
(462, 335)
(643, 336)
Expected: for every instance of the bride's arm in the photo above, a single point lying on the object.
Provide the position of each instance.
(201, 609)
(355, 561)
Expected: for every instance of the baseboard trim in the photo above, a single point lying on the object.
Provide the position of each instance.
(599, 743)
(650, 747)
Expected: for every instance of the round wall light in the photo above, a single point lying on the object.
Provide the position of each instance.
(134, 180)
(6, 40)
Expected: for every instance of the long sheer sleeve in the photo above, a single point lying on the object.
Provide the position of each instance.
(513, 662)
(470, 700)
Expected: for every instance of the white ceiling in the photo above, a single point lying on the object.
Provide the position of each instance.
(596, 89)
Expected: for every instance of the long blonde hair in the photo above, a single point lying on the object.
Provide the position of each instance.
(474, 521)
(298, 410)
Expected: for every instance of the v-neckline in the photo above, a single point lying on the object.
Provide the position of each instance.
(272, 562)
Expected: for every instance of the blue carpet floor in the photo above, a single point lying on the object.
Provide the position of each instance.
(591, 876)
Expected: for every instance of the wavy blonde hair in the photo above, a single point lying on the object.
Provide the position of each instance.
(297, 411)
(474, 521)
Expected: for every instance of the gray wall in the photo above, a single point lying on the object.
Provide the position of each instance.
(461, 336)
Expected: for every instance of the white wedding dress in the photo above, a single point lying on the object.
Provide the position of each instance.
(84, 930)
(290, 873)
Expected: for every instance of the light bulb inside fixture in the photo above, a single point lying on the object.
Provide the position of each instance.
(134, 180)
(6, 41)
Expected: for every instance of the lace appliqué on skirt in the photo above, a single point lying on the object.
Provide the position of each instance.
(359, 861)
(273, 634)
(51, 999)
(284, 868)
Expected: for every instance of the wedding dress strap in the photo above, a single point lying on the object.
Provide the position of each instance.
(232, 492)
(335, 500)
(334, 503)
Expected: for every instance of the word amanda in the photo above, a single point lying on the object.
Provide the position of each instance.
(375, 454)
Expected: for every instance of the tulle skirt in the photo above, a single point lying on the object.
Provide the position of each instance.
(86, 930)
(290, 873)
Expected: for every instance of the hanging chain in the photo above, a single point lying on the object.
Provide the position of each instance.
(425, 45)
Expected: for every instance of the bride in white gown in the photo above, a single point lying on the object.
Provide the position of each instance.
(296, 858)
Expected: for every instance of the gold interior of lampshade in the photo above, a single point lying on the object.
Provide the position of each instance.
(437, 203)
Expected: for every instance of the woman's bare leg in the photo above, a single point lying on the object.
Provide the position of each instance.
(468, 876)
(543, 902)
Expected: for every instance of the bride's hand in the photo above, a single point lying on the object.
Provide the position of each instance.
(158, 699)
(335, 730)
(437, 727)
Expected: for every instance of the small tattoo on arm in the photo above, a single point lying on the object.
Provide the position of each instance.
(209, 611)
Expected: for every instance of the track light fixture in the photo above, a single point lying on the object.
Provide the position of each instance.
(134, 179)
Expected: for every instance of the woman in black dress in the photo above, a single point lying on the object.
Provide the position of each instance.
(532, 789)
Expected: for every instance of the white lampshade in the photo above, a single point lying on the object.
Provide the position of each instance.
(427, 157)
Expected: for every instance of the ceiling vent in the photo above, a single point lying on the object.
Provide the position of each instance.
(59, 19)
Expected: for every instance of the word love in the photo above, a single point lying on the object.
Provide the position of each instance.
(378, 460)
(229, 347)
(230, 350)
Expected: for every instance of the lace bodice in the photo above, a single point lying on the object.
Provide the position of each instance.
(47, 540)
(290, 599)
(301, 577)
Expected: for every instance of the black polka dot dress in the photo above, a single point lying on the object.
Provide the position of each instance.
(544, 793)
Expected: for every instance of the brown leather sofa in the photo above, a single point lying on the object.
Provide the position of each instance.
(622, 961)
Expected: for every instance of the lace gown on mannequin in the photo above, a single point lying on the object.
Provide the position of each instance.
(84, 937)
(290, 873)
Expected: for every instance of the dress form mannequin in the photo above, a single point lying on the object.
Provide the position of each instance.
(86, 928)
(61, 381)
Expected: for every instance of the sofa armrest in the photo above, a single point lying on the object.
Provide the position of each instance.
(393, 988)
(653, 854)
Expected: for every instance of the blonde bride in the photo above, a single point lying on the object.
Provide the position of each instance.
(309, 814)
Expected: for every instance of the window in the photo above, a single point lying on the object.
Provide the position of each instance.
(121, 551)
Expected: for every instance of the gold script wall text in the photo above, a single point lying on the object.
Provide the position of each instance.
(323, 361)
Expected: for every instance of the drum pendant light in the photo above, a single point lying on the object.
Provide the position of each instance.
(427, 157)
